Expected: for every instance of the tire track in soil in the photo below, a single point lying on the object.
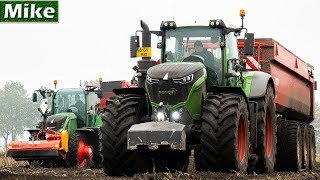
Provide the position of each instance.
(26, 172)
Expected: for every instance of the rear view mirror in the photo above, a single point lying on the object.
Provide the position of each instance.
(34, 97)
(99, 93)
(134, 45)
(249, 44)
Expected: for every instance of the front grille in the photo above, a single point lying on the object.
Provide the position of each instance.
(168, 92)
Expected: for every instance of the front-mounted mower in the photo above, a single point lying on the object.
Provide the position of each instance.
(69, 132)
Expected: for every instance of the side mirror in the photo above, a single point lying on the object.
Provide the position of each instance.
(134, 45)
(249, 44)
(99, 93)
(34, 97)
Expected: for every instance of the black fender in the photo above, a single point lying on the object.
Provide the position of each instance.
(259, 84)
(92, 134)
(137, 90)
(228, 89)
(32, 130)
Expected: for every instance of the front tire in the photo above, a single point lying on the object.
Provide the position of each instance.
(122, 111)
(225, 134)
(78, 147)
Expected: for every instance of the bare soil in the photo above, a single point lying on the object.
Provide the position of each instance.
(27, 172)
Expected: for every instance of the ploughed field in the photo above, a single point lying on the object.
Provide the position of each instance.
(10, 169)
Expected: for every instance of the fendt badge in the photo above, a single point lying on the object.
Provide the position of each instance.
(170, 92)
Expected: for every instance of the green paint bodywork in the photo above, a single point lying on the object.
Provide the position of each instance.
(198, 92)
(247, 76)
(194, 100)
(70, 124)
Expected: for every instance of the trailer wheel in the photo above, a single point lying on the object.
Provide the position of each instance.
(80, 153)
(225, 134)
(266, 133)
(305, 146)
(290, 153)
(312, 147)
(122, 111)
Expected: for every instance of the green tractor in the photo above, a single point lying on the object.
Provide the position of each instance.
(191, 100)
(69, 132)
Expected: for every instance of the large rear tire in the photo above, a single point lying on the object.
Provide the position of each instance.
(312, 147)
(225, 134)
(266, 133)
(122, 111)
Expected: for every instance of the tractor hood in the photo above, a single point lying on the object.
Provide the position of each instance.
(170, 83)
(56, 121)
(173, 70)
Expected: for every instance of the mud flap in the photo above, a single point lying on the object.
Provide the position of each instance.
(153, 135)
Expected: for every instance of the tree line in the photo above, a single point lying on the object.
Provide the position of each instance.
(17, 111)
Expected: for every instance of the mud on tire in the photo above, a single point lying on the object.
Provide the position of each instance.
(122, 111)
(225, 134)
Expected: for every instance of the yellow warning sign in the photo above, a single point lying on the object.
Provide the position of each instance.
(144, 52)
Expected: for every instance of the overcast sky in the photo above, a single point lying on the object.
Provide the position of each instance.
(91, 39)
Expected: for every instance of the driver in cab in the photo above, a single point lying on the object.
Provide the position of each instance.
(208, 61)
(206, 55)
(81, 109)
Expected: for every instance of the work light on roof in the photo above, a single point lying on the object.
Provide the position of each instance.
(217, 23)
(166, 25)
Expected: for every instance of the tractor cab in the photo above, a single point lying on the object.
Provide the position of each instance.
(83, 103)
(195, 44)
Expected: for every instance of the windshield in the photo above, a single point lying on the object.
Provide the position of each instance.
(70, 98)
(199, 42)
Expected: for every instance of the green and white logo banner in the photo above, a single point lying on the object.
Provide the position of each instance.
(29, 11)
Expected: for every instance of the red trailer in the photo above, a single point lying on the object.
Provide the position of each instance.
(293, 78)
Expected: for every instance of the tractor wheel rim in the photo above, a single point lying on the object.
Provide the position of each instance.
(268, 134)
(242, 140)
(83, 152)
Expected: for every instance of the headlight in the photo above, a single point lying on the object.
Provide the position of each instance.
(175, 115)
(160, 116)
(184, 80)
(151, 80)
